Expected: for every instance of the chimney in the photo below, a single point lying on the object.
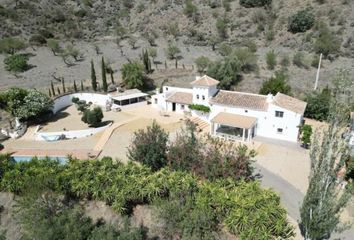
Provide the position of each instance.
(269, 98)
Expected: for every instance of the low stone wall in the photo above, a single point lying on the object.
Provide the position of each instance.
(64, 101)
(40, 136)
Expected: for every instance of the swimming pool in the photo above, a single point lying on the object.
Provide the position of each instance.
(29, 158)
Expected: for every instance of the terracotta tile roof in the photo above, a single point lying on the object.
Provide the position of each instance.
(181, 97)
(234, 120)
(241, 100)
(290, 103)
(205, 81)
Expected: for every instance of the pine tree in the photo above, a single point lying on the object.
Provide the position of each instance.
(63, 85)
(82, 86)
(93, 77)
(75, 87)
(52, 87)
(104, 76)
(324, 199)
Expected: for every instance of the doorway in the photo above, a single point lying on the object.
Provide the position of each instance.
(173, 107)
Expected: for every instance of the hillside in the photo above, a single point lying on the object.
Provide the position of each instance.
(111, 28)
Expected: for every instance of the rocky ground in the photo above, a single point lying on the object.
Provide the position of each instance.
(86, 24)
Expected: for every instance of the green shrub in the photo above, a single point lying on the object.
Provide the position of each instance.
(221, 27)
(37, 40)
(228, 70)
(190, 9)
(199, 107)
(301, 21)
(285, 61)
(16, 63)
(93, 117)
(318, 105)
(326, 42)
(271, 60)
(255, 3)
(46, 33)
(225, 49)
(81, 13)
(276, 84)
(11, 45)
(299, 60)
(150, 147)
(75, 100)
(315, 61)
(133, 76)
(306, 132)
(202, 63)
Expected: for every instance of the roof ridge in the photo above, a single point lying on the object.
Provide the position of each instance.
(246, 93)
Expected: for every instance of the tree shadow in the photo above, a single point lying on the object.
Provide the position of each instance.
(56, 117)
(102, 124)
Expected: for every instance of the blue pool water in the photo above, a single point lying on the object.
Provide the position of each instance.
(29, 158)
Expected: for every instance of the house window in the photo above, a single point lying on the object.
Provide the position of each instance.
(166, 88)
(203, 97)
(155, 100)
(182, 107)
(246, 111)
(197, 96)
(279, 130)
(279, 114)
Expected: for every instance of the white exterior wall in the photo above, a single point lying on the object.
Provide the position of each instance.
(39, 136)
(161, 99)
(267, 122)
(201, 92)
(261, 116)
(179, 108)
(290, 123)
(65, 101)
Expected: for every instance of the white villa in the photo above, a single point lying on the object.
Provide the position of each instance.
(236, 115)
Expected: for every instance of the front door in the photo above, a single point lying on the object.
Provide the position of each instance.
(173, 107)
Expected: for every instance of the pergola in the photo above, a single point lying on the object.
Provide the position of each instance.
(129, 97)
(233, 126)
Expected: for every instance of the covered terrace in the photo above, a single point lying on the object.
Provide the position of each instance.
(128, 97)
(233, 127)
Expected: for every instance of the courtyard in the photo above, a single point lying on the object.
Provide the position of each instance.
(113, 141)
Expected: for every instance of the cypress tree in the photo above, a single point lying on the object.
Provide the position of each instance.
(104, 79)
(112, 78)
(75, 87)
(82, 86)
(49, 93)
(63, 84)
(146, 61)
(58, 89)
(93, 77)
(324, 199)
(52, 87)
